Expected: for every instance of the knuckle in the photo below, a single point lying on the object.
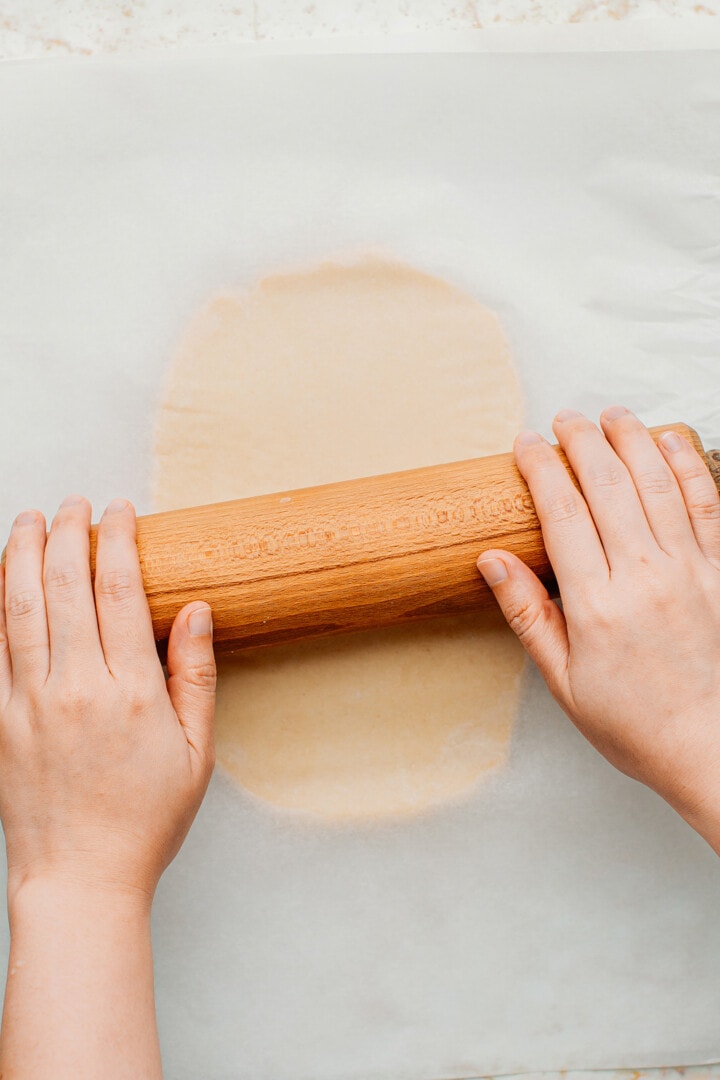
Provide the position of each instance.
(522, 616)
(595, 617)
(116, 533)
(116, 586)
(696, 471)
(203, 676)
(609, 478)
(25, 604)
(76, 697)
(655, 482)
(62, 579)
(658, 587)
(561, 507)
(136, 697)
(705, 510)
(539, 461)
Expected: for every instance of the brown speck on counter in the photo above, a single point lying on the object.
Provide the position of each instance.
(53, 44)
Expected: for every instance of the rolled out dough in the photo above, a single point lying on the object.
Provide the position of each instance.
(343, 370)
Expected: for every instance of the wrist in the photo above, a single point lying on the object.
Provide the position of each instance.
(705, 820)
(64, 893)
(79, 999)
(698, 801)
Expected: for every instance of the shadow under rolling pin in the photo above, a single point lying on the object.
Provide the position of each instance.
(346, 557)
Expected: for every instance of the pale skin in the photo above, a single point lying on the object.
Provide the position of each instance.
(632, 657)
(104, 763)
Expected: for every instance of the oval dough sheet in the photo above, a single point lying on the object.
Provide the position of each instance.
(340, 371)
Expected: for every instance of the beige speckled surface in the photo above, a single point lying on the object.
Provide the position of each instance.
(59, 27)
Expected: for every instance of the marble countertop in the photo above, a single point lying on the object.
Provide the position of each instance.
(33, 28)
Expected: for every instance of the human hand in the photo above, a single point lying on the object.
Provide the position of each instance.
(103, 764)
(632, 657)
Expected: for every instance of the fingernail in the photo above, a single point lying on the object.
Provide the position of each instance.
(28, 517)
(115, 505)
(567, 414)
(615, 411)
(528, 438)
(71, 500)
(671, 441)
(200, 622)
(493, 570)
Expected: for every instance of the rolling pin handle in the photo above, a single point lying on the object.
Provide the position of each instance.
(713, 463)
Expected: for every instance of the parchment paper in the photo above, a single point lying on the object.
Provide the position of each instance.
(563, 916)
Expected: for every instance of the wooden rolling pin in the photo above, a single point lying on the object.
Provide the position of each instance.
(347, 556)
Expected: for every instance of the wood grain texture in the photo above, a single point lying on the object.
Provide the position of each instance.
(343, 557)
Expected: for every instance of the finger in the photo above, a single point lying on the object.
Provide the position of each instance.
(5, 665)
(531, 614)
(701, 497)
(191, 685)
(659, 492)
(607, 487)
(123, 614)
(69, 600)
(569, 534)
(25, 616)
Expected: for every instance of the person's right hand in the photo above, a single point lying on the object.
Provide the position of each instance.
(103, 763)
(633, 657)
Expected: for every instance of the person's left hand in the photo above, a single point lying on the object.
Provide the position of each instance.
(631, 655)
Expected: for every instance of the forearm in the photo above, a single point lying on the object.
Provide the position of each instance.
(79, 1000)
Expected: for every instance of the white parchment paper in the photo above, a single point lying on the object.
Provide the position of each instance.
(563, 916)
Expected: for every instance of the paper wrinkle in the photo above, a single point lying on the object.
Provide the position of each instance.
(563, 917)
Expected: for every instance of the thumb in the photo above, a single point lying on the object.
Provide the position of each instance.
(192, 678)
(538, 622)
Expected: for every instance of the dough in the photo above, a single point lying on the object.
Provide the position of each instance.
(346, 370)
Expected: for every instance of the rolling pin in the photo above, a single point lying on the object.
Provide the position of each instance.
(348, 556)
